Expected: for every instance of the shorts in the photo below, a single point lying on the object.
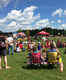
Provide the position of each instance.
(29, 54)
(3, 52)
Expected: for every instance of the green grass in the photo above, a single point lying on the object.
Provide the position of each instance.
(19, 70)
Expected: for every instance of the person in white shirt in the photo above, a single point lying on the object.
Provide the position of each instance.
(10, 45)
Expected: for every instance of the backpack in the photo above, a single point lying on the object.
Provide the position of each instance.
(2, 43)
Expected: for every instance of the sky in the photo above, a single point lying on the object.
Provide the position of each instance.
(32, 14)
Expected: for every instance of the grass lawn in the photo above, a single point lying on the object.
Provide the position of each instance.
(19, 70)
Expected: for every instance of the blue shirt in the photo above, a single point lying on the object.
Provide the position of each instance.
(52, 50)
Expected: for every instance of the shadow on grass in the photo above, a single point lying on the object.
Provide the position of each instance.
(29, 67)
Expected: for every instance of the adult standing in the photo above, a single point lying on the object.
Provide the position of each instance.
(10, 45)
(3, 51)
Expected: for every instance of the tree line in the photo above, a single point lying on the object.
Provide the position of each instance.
(53, 32)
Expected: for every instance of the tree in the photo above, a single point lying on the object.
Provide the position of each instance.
(19, 30)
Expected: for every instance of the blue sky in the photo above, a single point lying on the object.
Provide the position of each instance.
(34, 14)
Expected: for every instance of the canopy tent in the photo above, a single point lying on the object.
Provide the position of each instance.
(43, 33)
(20, 34)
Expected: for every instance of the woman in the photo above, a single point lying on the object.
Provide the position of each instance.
(3, 51)
(55, 54)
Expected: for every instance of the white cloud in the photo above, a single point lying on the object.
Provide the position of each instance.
(14, 14)
(58, 12)
(63, 26)
(59, 21)
(65, 12)
(42, 23)
(17, 19)
(24, 20)
(13, 23)
(31, 8)
(11, 27)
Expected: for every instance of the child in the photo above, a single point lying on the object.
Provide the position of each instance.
(21, 45)
(18, 48)
(60, 63)
(29, 56)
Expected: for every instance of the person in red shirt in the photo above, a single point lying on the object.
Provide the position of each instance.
(21, 45)
(47, 44)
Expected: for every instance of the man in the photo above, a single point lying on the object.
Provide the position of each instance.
(3, 51)
(10, 42)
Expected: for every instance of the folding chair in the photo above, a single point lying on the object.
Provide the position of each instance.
(36, 58)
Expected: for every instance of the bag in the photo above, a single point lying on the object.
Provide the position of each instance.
(2, 43)
(52, 57)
